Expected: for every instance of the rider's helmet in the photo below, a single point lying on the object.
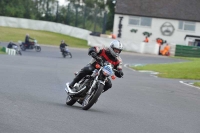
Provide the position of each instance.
(115, 48)
(62, 41)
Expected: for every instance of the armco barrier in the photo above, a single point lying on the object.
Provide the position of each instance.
(45, 26)
(10, 51)
(187, 51)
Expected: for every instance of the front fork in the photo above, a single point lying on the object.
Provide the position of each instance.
(94, 83)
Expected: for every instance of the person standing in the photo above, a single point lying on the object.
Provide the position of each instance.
(166, 50)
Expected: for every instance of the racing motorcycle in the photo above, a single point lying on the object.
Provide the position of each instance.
(32, 45)
(66, 53)
(87, 91)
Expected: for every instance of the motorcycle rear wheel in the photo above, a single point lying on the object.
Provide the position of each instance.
(23, 48)
(64, 55)
(89, 101)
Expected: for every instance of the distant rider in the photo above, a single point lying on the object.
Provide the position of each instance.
(27, 41)
(63, 46)
(11, 44)
(110, 55)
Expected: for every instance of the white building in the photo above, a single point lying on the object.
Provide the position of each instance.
(177, 22)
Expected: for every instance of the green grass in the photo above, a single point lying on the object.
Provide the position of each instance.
(197, 84)
(1, 51)
(43, 37)
(183, 70)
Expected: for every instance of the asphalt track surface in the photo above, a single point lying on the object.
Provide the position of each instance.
(32, 97)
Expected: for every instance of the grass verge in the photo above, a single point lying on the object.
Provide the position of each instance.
(1, 50)
(43, 37)
(183, 70)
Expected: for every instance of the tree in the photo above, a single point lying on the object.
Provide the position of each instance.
(90, 3)
(110, 21)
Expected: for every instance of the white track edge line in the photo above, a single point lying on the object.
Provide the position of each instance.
(126, 65)
(189, 85)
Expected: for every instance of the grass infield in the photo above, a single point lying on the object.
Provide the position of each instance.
(183, 70)
(8, 34)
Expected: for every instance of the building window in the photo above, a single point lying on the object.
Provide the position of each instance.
(188, 26)
(140, 21)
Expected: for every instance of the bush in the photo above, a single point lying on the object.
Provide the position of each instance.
(2, 49)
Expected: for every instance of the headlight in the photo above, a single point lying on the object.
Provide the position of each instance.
(107, 70)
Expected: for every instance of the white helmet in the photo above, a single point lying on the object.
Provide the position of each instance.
(115, 48)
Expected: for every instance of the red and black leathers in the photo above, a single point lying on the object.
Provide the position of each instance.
(105, 55)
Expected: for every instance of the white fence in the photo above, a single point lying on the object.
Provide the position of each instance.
(44, 25)
(138, 47)
(129, 45)
(10, 51)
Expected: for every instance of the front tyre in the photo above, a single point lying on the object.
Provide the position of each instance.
(70, 54)
(70, 101)
(91, 99)
(38, 48)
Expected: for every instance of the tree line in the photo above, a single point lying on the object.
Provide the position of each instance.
(87, 14)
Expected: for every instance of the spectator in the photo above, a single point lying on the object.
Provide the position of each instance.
(166, 50)
(146, 39)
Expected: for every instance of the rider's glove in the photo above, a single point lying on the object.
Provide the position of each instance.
(98, 59)
(119, 73)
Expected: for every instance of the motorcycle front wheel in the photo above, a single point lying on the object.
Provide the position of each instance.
(38, 48)
(91, 99)
(70, 54)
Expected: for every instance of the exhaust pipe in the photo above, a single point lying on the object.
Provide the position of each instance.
(69, 91)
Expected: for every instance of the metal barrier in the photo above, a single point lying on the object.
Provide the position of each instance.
(187, 51)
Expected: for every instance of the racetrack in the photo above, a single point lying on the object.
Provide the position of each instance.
(32, 97)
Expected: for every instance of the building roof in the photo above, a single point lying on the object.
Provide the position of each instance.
(170, 9)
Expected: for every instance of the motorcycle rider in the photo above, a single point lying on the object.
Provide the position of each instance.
(110, 55)
(62, 46)
(27, 41)
(11, 44)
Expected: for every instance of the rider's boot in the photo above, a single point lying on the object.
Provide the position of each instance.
(76, 79)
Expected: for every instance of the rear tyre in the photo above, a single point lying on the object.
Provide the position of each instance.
(64, 55)
(23, 48)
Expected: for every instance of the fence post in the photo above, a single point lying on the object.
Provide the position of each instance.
(104, 23)
(84, 17)
(95, 12)
(6, 50)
